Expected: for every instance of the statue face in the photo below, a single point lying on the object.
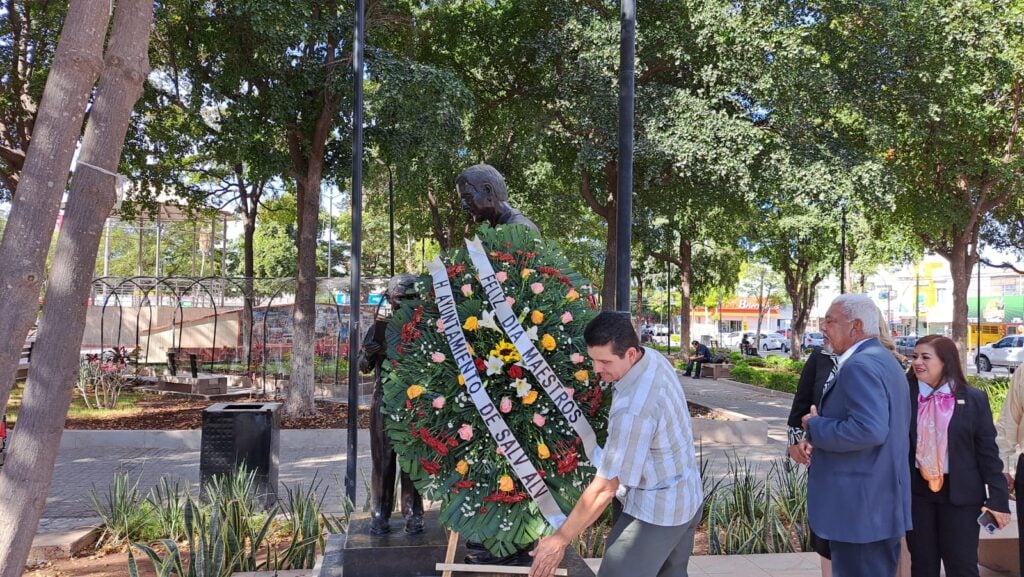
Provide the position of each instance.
(480, 201)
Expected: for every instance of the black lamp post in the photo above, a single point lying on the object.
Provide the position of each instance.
(624, 215)
(357, 247)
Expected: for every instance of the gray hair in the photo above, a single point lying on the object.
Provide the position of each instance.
(862, 308)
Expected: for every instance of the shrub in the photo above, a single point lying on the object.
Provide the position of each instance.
(780, 381)
(126, 517)
(746, 374)
(996, 388)
(101, 378)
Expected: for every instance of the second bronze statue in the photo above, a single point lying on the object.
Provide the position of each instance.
(372, 356)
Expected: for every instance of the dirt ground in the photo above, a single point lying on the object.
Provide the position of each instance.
(170, 413)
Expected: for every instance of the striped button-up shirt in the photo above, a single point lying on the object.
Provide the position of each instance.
(650, 445)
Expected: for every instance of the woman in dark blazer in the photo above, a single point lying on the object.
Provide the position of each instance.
(956, 473)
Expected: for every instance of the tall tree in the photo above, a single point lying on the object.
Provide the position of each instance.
(77, 63)
(934, 90)
(26, 476)
(28, 35)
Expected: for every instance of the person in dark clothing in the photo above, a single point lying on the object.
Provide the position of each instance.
(701, 355)
(816, 372)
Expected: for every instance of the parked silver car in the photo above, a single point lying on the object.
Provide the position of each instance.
(814, 340)
(1006, 352)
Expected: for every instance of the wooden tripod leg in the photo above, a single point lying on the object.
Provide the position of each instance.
(449, 554)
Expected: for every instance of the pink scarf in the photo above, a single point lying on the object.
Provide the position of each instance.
(933, 415)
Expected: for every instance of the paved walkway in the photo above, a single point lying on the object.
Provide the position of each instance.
(91, 458)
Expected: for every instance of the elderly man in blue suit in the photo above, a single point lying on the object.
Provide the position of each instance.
(858, 486)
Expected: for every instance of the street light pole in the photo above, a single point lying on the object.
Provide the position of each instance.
(624, 201)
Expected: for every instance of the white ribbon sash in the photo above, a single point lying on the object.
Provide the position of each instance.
(534, 361)
(502, 435)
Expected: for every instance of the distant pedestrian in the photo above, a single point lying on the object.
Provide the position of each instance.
(701, 354)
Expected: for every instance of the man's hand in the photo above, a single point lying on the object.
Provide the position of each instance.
(547, 555)
(1009, 481)
(809, 416)
(801, 452)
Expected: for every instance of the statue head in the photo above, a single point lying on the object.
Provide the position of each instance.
(400, 287)
(483, 192)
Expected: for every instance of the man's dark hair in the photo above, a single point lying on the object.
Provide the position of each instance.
(695, 343)
(612, 327)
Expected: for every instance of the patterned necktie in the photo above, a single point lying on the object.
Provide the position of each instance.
(832, 373)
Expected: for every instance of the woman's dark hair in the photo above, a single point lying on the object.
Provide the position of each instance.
(612, 327)
(949, 355)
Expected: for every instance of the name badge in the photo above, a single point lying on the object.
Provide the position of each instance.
(961, 402)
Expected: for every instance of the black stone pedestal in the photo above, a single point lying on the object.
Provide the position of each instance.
(393, 555)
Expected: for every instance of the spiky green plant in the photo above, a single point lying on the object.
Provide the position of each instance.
(125, 516)
(167, 499)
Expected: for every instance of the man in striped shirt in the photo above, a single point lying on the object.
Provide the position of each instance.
(648, 463)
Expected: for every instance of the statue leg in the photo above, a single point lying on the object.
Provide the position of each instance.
(412, 506)
(382, 478)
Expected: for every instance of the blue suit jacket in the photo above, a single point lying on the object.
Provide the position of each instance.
(858, 486)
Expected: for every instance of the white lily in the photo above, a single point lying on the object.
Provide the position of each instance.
(531, 333)
(486, 321)
(494, 365)
(522, 387)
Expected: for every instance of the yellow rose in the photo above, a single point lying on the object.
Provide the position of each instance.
(536, 317)
(530, 398)
(572, 295)
(462, 467)
(470, 347)
(462, 379)
(414, 391)
(581, 375)
(505, 483)
(471, 324)
(542, 451)
(548, 342)
(526, 273)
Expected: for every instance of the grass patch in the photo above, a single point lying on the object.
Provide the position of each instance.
(127, 405)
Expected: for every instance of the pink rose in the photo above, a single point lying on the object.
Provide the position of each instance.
(538, 419)
(467, 290)
(437, 357)
(438, 403)
(511, 301)
(500, 451)
(537, 288)
(440, 326)
(501, 275)
(506, 405)
(570, 391)
(465, 432)
(576, 358)
(566, 317)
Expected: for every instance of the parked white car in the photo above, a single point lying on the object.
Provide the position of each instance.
(774, 342)
(812, 340)
(1006, 352)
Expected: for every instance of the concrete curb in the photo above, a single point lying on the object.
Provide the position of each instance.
(189, 440)
(735, 429)
(63, 544)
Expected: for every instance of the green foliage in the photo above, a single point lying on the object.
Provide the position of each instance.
(781, 375)
(126, 516)
(167, 501)
(996, 388)
(306, 524)
(747, 513)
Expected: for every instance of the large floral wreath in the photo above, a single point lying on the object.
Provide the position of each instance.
(439, 435)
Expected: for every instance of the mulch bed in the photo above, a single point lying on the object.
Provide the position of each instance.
(169, 413)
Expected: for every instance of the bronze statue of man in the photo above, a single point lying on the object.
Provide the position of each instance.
(485, 195)
(372, 357)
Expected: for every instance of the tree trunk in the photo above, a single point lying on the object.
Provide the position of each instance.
(685, 285)
(961, 261)
(77, 63)
(25, 478)
(300, 388)
(247, 299)
(639, 293)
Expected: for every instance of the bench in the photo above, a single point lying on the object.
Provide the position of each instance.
(716, 370)
(24, 362)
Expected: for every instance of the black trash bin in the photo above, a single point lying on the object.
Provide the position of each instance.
(236, 433)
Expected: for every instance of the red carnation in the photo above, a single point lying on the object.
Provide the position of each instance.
(515, 372)
(430, 467)
(480, 364)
